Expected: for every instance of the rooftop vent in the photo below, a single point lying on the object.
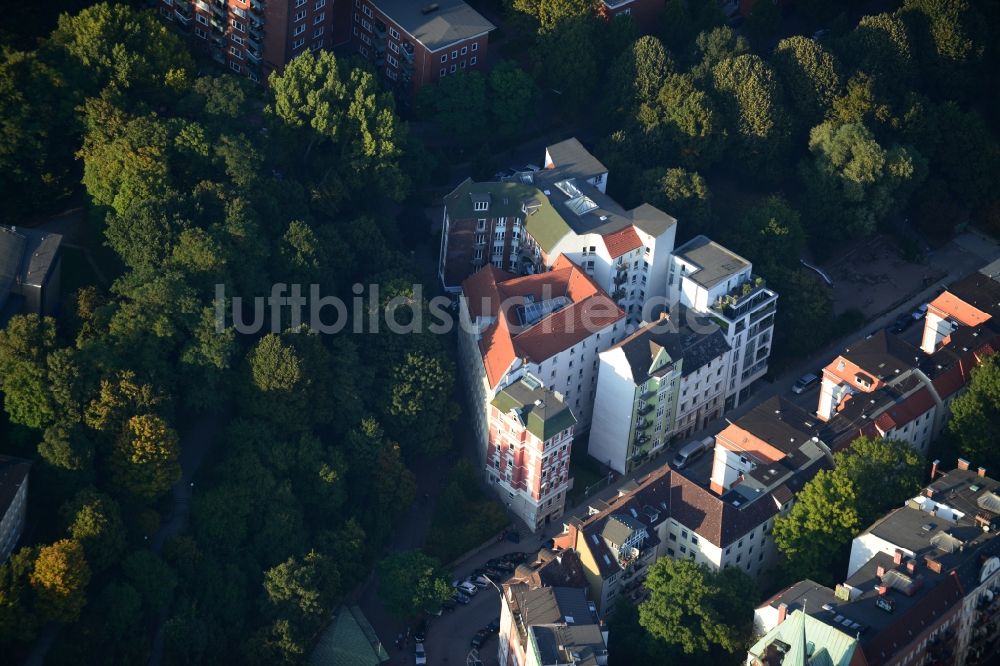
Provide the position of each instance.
(428, 9)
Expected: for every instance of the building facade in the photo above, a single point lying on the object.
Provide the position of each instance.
(656, 383)
(30, 272)
(709, 280)
(412, 43)
(13, 502)
(530, 442)
(256, 37)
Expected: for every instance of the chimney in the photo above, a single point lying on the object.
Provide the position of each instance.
(782, 612)
(982, 471)
(911, 566)
(879, 571)
(934, 469)
(882, 589)
(897, 557)
(929, 492)
(963, 463)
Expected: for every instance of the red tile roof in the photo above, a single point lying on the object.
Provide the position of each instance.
(622, 241)
(491, 290)
(950, 305)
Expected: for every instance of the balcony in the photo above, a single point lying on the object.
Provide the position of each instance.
(257, 6)
(253, 56)
(641, 439)
(406, 49)
(743, 298)
(647, 395)
(257, 33)
(183, 14)
(642, 424)
(645, 409)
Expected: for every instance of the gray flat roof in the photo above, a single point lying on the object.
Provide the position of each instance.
(572, 155)
(715, 262)
(436, 23)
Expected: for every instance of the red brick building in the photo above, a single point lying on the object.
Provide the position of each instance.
(254, 38)
(416, 42)
(645, 13)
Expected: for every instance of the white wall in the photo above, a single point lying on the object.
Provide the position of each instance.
(613, 408)
(864, 547)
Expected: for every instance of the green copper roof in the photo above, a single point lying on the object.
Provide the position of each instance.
(810, 642)
(541, 411)
(507, 199)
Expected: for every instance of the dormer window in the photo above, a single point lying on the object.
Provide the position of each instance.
(481, 205)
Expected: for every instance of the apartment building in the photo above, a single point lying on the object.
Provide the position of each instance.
(256, 37)
(550, 325)
(530, 440)
(659, 382)
(523, 225)
(645, 14)
(416, 43)
(550, 626)
(707, 279)
(883, 386)
(923, 582)
(30, 272)
(802, 639)
(13, 502)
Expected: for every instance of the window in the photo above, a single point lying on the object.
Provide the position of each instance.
(299, 3)
(475, 46)
(319, 18)
(367, 10)
(390, 73)
(298, 30)
(479, 205)
(472, 60)
(444, 58)
(236, 52)
(366, 24)
(462, 64)
(253, 77)
(442, 72)
(454, 55)
(297, 44)
(238, 40)
(319, 4)
(392, 61)
(239, 26)
(200, 33)
(234, 66)
(201, 19)
(393, 47)
(393, 33)
(317, 45)
(465, 49)
(318, 31)
(452, 70)
(299, 15)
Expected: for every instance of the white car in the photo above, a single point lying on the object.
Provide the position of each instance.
(468, 588)
(421, 655)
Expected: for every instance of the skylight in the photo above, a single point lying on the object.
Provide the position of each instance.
(581, 205)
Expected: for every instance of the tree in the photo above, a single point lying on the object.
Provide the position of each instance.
(715, 46)
(24, 347)
(772, 231)
(854, 181)
(682, 21)
(302, 590)
(810, 75)
(551, 13)
(975, 413)
(951, 43)
(152, 578)
(511, 96)
(750, 97)
(145, 460)
(683, 194)
(819, 526)
(96, 523)
(880, 46)
(411, 582)
(59, 579)
(132, 52)
(319, 102)
(638, 74)
(18, 619)
(885, 473)
(566, 61)
(696, 609)
(684, 120)
(457, 104)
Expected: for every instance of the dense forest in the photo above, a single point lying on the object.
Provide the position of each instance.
(194, 179)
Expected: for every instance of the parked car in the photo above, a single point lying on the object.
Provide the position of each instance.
(460, 597)
(919, 313)
(804, 382)
(903, 322)
(421, 655)
(494, 626)
(480, 582)
(515, 557)
(494, 562)
(494, 574)
(691, 452)
(478, 640)
(420, 632)
(468, 588)
(506, 567)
